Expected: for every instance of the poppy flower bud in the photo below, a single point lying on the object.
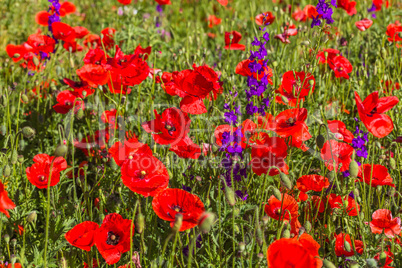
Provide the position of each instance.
(61, 150)
(13, 243)
(331, 175)
(307, 226)
(383, 53)
(32, 216)
(63, 262)
(206, 222)
(328, 264)
(242, 246)
(14, 157)
(371, 263)
(3, 130)
(260, 236)
(305, 43)
(28, 132)
(21, 159)
(277, 194)
(326, 54)
(24, 98)
(361, 82)
(353, 264)
(392, 163)
(4, 101)
(275, 63)
(7, 171)
(7, 238)
(35, 61)
(80, 114)
(301, 231)
(178, 221)
(320, 140)
(16, 55)
(284, 99)
(382, 259)
(230, 195)
(353, 169)
(286, 234)
(285, 181)
(347, 246)
(265, 220)
(140, 223)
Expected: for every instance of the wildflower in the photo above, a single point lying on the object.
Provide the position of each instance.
(232, 40)
(337, 155)
(5, 202)
(83, 235)
(340, 241)
(363, 24)
(375, 175)
(383, 221)
(45, 167)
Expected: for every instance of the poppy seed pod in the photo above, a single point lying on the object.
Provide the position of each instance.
(178, 221)
(61, 150)
(328, 264)
(320, 140)
(7, 238)
(206, 222)
(28, 132)
(353, 169)
(32, 216)
(285, 181)
(140, 223)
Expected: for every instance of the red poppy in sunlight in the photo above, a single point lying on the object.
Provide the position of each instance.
(389, 257)
(5, 202)
(66, 8)
(363, 24)
(122, 151)
(330, 52)
(312, 183)
(337, 201)
(113, 237)
(170, 202)
(287, 210)
(143, 53)
(169, 127)
(186, 148)
(223, 2)
(81, 87)
(394, 32)
(243, 69)
(383, 221)
(348, 6)
(83, 235)
(109, 117)
(317, 203)
(340, 250)
(144, 174)
(295, 89)
(232, 40)
(338, 128)
(68, 100)
(289, 31)
(213, 21)
(92, 41)
(45, 166)
(63, 31)
(376, 175)
(268, 152)
(265, 18)
(287, 252)
(308, 243)
(124, 2)
(371, 112)
(94, 264)
(341, 66)
(42, 18)
(40, 43)
(10, 265)
(91, 144)
(95, 75)
(163, 2)
(108, 37)
(17, 52)
(337, 155)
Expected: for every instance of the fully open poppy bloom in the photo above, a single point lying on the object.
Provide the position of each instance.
(223, 2)
(287, 252)
(312, 183)
(376, 175)
(113, 237)
(40, 43)
(163, 2)
(266, 18)
(45, 166)
(66, 8)
(122, 151)
(170, 202)
(108, 37)
(383, 221)
(83, 235)
(371, 112)
(232, 40)
(363, 24)
(349, 6)
(243, 69)
(144, 174)
(288, 210)
(331, 53)
(268, 152)
(213, 20)
(42, 18)
(80, 32)
(338, 128)
(68, 100)
(394, 32)
(186, 148)
(341, 66)
(308, 12)
(95, 75)
(295, 88)
(340, 245)
(170, 127)
(5, 202)
(81, 87)
(337, 201)
(63, 31)
(92, 41)
(335, 154)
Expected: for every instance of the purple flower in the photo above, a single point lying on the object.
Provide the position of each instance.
(241, 195)
(231, 118)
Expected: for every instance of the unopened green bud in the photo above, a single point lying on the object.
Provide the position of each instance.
(305, 43)
(328, 264)
(206, 222)
(7, 238)
(230, 195)
(307, 226)
(284, 99)
(311, 82)
(36, 61)
(7, 171)
(14, 157)
(20, 159)
(24, 98)
(63, 262)
(275, 63)
(242, 246)
(301, 231)
(277, 193)
(16, 55)
(140, 223)
(28, 132)
(347, 246)
(80, 114)
(3, 130)
(382, 259)
(353, 264)
(392, 163)
(320, 140)
(265, 220)
(353, 169)
(285, 181)
(286, 234)
(361, 82)
(13, 242)
(178, 221)
(260, 236)
(61, 150)
(32, 216)
(371, 263)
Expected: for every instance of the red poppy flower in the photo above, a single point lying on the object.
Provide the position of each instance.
(389, 257)
(72, 46)
(80, 32)
(186, 148)
(349, 6)
(232, 40)
(109, 116)
(94, 264)
(169, 202)
(341, 66)
(317, 203)
(81, 87)
(143, 52)
(92, 41)
(383, 221)
(40, 43)
(122, 151)
(310, 11)
(5, 202)
(213, 20)
(340, 245)
(331, 53)
(108, 37)
(68, 100)
(63, 31)
(289, 31)
(337, 201)
(390, 86)
(83, 235)
(94, 75)
(66, 8)
(309, 243)
(223, 2)
(299, 15)
(371, 112)
(295, 89)
(287, 252)
(363, 24)
(377, 175)
(124, 2)
(312, 183)
(10, 265)
(17, 52)
(335, 153)
(268, 152)
(243, 69)
(90, 144)
(286, 209)
(291, 123)
(42, 18)
(45, 166)
(265, 18)
(169, 127)
(113, 237)
(340, 131)
(394, 32)
(163, 2)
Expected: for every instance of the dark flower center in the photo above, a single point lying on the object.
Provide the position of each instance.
(374, 111)
(177, 208)
(291, 121)
(170, 128)
(112, 238)
(41, 178)
(143, 173)
(67, 103)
